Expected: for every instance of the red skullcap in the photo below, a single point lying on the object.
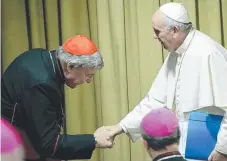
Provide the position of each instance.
(79, 45)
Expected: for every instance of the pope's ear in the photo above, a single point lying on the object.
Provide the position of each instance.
(176, 29)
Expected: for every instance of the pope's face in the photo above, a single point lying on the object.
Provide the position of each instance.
(161, 31)
(77, 76)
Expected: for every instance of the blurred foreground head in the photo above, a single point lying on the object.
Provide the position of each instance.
(11, 144)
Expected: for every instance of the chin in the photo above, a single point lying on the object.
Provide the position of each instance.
(164, 46)
(71, 85)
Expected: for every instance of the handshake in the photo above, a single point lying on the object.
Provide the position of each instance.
(104, 136)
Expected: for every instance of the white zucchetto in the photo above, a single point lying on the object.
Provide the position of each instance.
(175, 11)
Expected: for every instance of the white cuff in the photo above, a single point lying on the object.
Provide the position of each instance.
(221, 149)
(123, 127)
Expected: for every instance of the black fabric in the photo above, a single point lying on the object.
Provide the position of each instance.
(34, 82)
(170, 156)
(35, 160)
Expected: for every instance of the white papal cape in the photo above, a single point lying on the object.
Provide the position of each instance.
(193, 78)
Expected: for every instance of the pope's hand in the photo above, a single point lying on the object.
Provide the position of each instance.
(217, 156)
(103, 138)
(115, 129)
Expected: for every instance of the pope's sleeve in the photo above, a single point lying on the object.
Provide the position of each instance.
(156, 97)
(131, 122)
(218, 71)
(42, 105)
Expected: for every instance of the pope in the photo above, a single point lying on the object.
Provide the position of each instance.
(192, 78)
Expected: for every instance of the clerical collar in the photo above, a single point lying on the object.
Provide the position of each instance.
(186, 42)
(57, 67)
(168, 155)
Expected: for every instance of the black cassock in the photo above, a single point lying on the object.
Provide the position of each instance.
(170, 156)
(32, 99)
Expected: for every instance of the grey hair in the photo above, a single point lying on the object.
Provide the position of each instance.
(90, 61)
(185, 27)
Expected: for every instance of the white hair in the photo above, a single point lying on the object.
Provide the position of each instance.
(185, 27)
(90, 61)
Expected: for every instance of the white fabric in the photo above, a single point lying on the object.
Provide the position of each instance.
(197, 80)
(175, 11)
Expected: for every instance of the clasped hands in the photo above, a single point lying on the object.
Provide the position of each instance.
(105, 136)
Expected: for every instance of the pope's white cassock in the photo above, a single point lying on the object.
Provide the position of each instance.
(193, 78)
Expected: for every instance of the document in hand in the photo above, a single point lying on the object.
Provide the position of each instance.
(202, 135)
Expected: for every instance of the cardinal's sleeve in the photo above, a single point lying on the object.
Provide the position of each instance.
(41, 104)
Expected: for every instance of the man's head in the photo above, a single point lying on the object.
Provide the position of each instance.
(80, 60)
(160, 130)
(171, 25)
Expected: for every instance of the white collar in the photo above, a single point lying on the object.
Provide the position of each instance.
(186, 42)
